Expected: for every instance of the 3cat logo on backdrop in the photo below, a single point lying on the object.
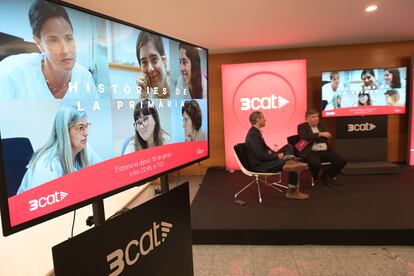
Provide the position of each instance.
(272, 102)
(268, 92)
(276, 88)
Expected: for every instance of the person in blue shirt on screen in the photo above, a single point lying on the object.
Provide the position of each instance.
(66, 150)
(53, 73)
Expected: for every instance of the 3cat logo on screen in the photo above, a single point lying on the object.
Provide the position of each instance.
(143, 245)
(47, 200)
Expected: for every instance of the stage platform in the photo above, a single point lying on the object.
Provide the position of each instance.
(366, 209)
(380, 167)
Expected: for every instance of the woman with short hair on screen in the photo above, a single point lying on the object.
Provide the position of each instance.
(192, 119)
(148, 131)
(66, 150)
(191, 80)
(392, 78)
(53, 73)
(331, 90)
(368, 79)
(152, 78)
(392, 97)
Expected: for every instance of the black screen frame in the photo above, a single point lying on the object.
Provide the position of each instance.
(4, 205)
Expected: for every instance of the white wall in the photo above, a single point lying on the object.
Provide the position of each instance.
(29, 252)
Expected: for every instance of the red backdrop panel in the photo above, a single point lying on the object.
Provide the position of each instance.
(277, 88)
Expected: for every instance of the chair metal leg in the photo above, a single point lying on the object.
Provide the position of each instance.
(257, 180)
(258, 188)
(273, 185)
(276, 184)
(244, 188)
(280, 179)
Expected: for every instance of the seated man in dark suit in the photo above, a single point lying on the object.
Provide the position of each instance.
(318, 150)
(264, 159)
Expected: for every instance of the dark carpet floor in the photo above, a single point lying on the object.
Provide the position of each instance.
(365, 209)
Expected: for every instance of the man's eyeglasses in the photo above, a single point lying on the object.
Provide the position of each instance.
(143, 122)
(81, 128)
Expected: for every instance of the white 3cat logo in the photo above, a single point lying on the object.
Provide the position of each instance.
(139, 247)
(256, 103)
(361, 127)
(47, 200)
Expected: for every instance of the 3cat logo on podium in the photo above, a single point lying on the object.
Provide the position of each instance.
(142, 246)
(276, 88)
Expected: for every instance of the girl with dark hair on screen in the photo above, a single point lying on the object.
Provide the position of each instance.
(151, 56)
(148, 131)
(191, 77)
(392, 78)
(49, 74)
(368, 79)
(192, 119)
(364, 99)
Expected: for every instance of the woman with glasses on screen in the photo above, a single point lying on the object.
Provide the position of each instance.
(54, 73)
(191, 80)
(192, 119)
(152, 80)
(66, 150)
(148, 131)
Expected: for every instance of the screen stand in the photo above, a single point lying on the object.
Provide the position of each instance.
(98, 216)
(165, 187)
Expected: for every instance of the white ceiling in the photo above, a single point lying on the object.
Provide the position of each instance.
(245, 25)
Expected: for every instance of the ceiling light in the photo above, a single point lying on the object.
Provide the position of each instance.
(371, 8)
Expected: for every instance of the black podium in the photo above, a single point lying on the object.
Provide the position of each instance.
(153, 238)
(363, 142)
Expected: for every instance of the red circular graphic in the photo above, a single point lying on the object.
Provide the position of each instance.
(268, 92)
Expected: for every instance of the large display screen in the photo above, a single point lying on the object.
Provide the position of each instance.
(364, 92)
(89, 106)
